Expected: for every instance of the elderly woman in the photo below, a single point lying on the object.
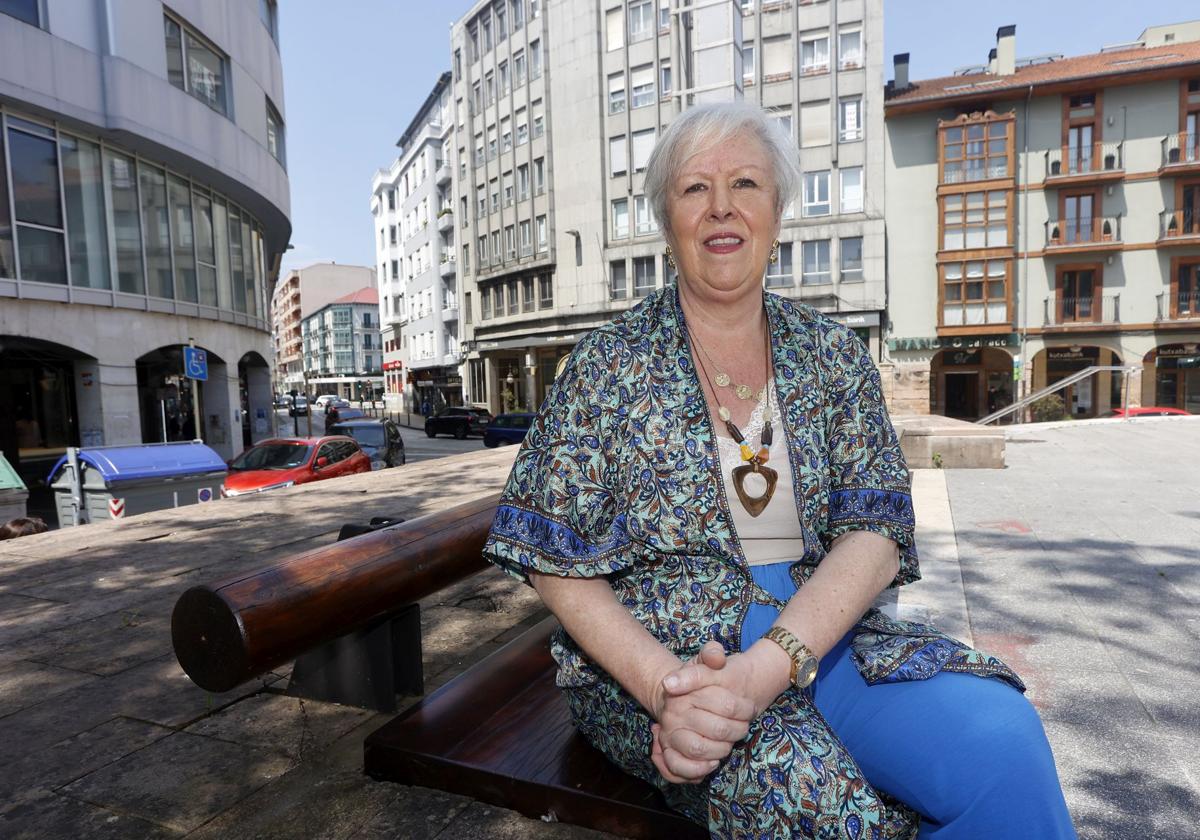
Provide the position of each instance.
(710, 501)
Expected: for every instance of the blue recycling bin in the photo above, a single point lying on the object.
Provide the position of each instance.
(121, 481)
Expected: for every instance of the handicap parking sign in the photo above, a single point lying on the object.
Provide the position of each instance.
(195, 363)
(204, 494)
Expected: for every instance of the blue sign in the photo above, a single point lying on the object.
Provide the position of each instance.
(195, 363)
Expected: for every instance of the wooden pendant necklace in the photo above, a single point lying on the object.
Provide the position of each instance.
(754, 462)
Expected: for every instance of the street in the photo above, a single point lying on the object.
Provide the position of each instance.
(417, 447)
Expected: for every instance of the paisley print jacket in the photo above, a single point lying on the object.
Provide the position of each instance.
(619, 476)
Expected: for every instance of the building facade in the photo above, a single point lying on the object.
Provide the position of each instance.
(1044, 217)
(143, 205)
(412, 205)
(550, 102)
(302, 292)
(343, 352)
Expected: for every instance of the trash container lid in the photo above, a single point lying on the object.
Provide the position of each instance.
(148, 460)
(9, 480)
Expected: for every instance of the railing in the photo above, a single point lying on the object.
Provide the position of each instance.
(1181, 149)
(1181, 305)
(1174, 224)
(1078, 376)
(445, 221)
(1057, 311)
(447, 268)
(1087, 230)
(1068, 161)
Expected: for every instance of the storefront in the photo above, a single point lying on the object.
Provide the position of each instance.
(434, 388)
(970, 383)
(1090, 396)
(1176, 369)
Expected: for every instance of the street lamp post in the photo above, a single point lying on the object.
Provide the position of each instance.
(509, 394)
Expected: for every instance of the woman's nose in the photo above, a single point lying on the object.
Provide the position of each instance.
(720, 202)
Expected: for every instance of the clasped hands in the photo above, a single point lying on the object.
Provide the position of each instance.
(706, 706)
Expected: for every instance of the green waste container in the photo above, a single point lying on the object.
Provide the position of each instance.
(13, 492)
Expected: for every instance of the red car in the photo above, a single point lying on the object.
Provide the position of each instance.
(1148, 411)
(282, 462)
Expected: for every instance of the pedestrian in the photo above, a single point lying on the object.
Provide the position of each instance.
(23, 526)
(710, 501)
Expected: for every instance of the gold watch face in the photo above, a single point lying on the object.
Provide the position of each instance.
(806, 672)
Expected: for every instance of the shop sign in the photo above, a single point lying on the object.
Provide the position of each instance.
(856, 319)
(1174, 356)
(955, 342)
(962, 357)
(1073, 354)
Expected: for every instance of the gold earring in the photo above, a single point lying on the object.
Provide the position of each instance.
(670, 258)
(774, 257)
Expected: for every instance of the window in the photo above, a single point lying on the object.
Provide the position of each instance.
(851, 265)
(539, 118)
(26, 10)
(641, 20)
(466, 257)
(467, 306)
(852, 189)
(643, 145)
(614, 24)
(642, 84)
(850, 53)
(502, 69)
(481, 201)
(644, 280)
(485, 303)
(391, 198)
(510, 242)
(522, 181)
(508, 189)
(542, 235)
(620, 218)
(395, 269)
(526, 239)
(482, 250)
(527, 301)
(616, 93)
(535, 9)
(815, 199)
(495, 244)
(783, 116)
(779, 274)
(617, 155)
(850, 118)
(748, 63)
(814, 53)
(270, 18)
(84, 198)
(494, 187)
(1077, 295)
(664, 14)
(518, 68)
(485, 28)
(777, 58)
(522, 127)
(664, 75)
(814, 270)
(1077, 222)
(975, 220)
(275, 135)
(392, 234)
(156, 239)
(500, 13)
(617, 284)
(194, 65)
(518, 14)
(975, 293)
(535, 59)
(491, 142)
(489, 88)
(539, 176)
(975, 151)
(34, 166)
(641, 214)
(513, 304)
(814, 124)
(545, 291)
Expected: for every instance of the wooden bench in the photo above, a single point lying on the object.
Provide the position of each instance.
(346, 613)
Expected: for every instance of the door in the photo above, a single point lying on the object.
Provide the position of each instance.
(962, 395)
(1079, 148)
(1191, 137)
(1077, 221)
(1076, 296)
(1191, 209)
(1083, 398)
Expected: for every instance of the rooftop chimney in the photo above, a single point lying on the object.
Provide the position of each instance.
(1006, 50)
(991, 65)
(900, 60)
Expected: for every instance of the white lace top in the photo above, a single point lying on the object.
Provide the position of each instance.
(774, 535)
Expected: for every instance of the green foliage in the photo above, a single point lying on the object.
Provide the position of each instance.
(937, 460)
(1048, 409)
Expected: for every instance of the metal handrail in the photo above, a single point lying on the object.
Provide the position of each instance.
(1057, 386)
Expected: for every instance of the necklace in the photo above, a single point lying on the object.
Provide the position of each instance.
(744, 392)
(754, 462)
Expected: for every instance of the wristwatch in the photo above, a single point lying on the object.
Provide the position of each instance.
(804, 661)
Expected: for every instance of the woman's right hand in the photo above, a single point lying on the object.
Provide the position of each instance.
(697, 729)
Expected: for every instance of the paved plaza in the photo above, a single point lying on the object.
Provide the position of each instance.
(1079, 564)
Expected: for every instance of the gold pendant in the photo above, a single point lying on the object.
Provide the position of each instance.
(722, 379)
(743, 392)
(754, 506)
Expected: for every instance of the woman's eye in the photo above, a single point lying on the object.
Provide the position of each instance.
(745, 182)
(694, 188)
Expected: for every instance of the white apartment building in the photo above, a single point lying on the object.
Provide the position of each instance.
(144, 202)
(557, 106)
(414, 244)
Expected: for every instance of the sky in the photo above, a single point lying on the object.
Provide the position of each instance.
(355, 73)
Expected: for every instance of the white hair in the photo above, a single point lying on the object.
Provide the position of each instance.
(705, 126)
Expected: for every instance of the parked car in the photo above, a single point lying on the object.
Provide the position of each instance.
(506, 429)
(338, 414)
(1148, 411)
(380, 440)
(458, 421)
(282, 462)
(298, 408)
(324, 398)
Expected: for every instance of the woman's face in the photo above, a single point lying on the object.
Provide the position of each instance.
(721, 208)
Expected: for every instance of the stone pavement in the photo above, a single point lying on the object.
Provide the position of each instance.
(1078, 564)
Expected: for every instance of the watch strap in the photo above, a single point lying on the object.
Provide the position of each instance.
(797, 651)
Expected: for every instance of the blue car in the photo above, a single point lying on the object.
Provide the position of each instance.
(506, 429)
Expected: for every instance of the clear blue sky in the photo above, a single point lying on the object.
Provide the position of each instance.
(355, 73)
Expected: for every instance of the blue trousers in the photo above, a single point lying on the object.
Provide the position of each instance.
(967, 753)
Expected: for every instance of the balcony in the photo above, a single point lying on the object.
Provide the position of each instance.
(450, 311)
(447, 269)
(1084, 235)
(443, 174)
(1180, 153)
(1178, 306)
(1066, 312)
(1095, 164)
(1178, 228)
(445, 220)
